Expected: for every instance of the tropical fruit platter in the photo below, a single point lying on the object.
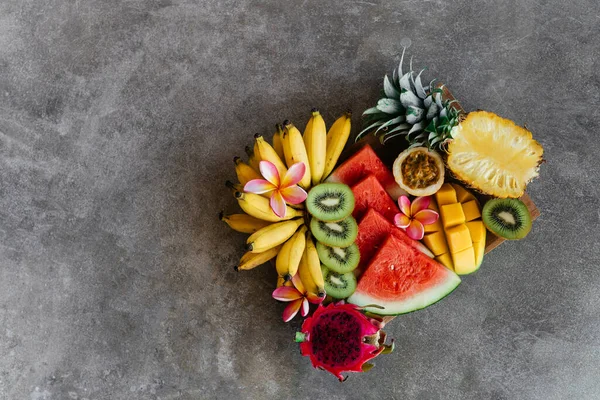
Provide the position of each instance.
(361, 228)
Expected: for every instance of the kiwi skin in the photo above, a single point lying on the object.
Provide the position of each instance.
(332, 286)
(324, 234)
(507, 218)
(331, 258)
(334, 212)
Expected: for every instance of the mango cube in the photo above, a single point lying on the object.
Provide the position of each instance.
(433, 205)
(462, 194)
(446, 260)
(477, 231)
(452, 214)
(446, 195)
(479, 248)
(435, 227)
(471, 210)
(458, 238)
(464, 261)
(436, 242)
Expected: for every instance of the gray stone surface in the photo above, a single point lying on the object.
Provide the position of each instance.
(118, 123)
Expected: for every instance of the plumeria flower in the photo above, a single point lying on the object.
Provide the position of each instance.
(413, 217)
(283, 190)
(298, 297)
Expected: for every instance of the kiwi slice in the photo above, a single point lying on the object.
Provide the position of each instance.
(338, 286)
(507, 218)
(330, 201)
(339, 259)
(339, 234)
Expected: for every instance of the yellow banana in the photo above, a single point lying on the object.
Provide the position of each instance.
(252, 260)
(315, 140)
(272, 235)
(259, 207)
(295, 151)
(253, 159)
(336, 140)
(267, 153)
(243, 222)
(244, 172)
(277, 144)
(314, 264)
(290, 254)
(282, 282)
(306, 276)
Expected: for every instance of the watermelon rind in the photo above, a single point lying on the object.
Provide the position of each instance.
(418, 301)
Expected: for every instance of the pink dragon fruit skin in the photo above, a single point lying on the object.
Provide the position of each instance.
(339, 338)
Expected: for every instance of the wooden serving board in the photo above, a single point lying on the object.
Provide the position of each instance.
(390, 151)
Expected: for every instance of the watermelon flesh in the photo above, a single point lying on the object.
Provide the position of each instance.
(361, 164)
(369, 193)
(373, 230)
(401, 279)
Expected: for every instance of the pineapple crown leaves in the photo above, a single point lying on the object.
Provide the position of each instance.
(410, 108)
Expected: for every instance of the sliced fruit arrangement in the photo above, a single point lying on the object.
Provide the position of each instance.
(458, 239)
(272, 193)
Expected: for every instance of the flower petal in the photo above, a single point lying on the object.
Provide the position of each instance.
(404, 204)
(278, 204)
(298, 283)
(293, 175)
(415, 230)
(427, 217)
(305, 308)
(293, 194)
(292, 309)
(286, 293)
(313, 298)
(418, 204)
(258, 186)
(269, 172)
(401, 221)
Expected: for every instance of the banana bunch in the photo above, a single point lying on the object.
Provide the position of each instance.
(286, 239)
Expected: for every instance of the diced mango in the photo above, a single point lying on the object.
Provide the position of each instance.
(471, 210)
(446, 195)
(435, 227)
(462, 194)
(477, 230)
(479, 248)
(433, 205)
(446, 260)
(458, 238)
(464, 261)
(436, 242)
(452, 215)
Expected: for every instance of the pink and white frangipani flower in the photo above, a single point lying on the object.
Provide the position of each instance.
(413, 217)
(284, 190)
(298, 298)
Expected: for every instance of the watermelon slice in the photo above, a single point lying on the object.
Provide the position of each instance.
(361, 164)
(369, 193)
(373, 230)
(401, 279)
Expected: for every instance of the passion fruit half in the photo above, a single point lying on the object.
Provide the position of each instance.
(419, 171)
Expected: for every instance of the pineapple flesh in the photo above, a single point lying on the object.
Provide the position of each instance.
(493, 154)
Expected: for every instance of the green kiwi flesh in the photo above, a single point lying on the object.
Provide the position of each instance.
(339, 259)
(507, 218)
(339, 234)
(338, 286)
(330, 201)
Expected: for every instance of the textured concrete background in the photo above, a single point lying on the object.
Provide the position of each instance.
(118, 124)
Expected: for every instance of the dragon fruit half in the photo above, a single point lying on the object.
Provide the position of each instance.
(339, 338)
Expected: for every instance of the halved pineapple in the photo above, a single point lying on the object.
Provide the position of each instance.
(493, 154)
